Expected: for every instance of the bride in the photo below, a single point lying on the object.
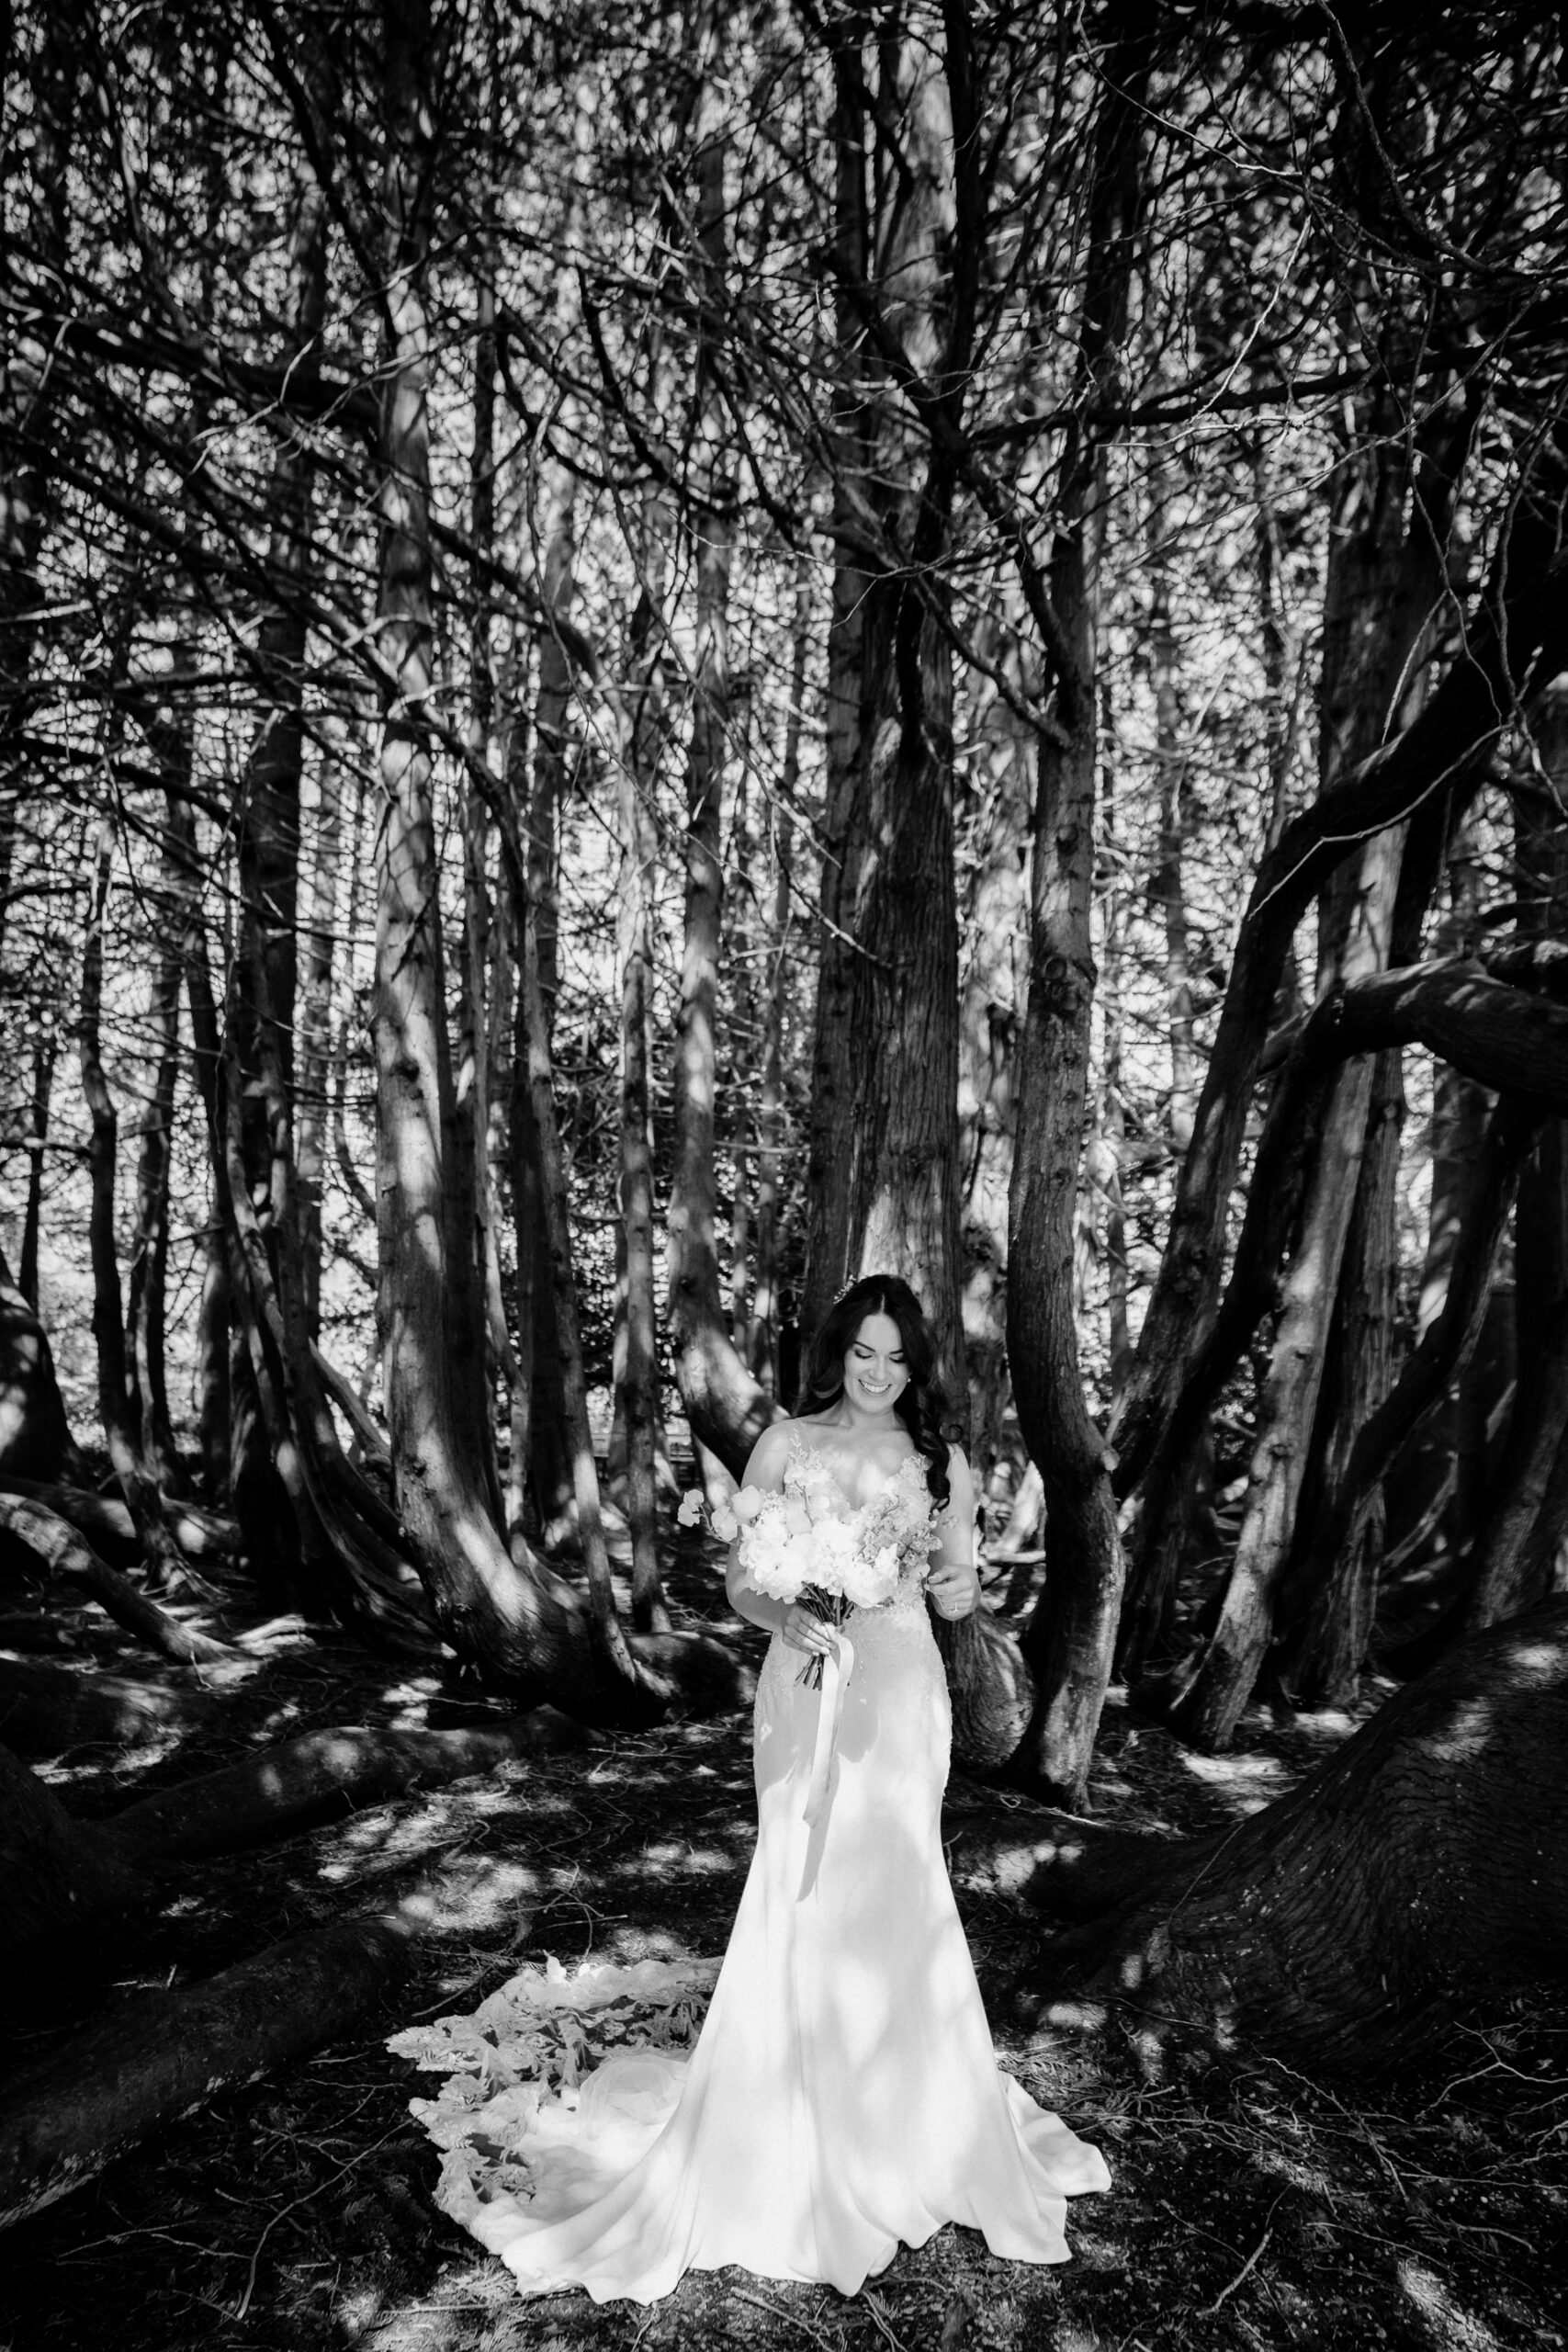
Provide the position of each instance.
(844, 2095)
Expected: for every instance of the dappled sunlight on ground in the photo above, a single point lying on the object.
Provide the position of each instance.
(1248, 2207)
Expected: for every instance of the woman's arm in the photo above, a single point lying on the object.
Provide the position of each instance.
(951, 1581)
(800, 1628)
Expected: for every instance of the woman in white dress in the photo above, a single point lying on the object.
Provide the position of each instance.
(844, 2095)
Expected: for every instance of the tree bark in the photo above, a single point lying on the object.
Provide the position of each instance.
(519, 1624)
(1403, 1885)
(1517, 639)
(727, 1409)
(762, 1350)
(168, 2052)
(639, 1397)
(147, 1401)
(64, 1552)
(1071, 1633)
(1213, 1702)
(108, 1319)
(312, 1097)
(35, 1437)
(884, 1172)
(295, 1784)
(1438, 1357)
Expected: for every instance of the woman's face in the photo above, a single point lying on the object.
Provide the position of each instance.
(875, 1375)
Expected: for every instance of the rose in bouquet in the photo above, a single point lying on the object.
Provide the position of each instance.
(805, 1547)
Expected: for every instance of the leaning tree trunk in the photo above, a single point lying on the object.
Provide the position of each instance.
(1511, 1559)
(1418, 1876)
(1213, 1702)
(1070, 1637)
(1517, 641)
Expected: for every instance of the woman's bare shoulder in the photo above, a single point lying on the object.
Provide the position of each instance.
(772, 1449)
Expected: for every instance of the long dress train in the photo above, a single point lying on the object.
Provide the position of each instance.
(843, 2093)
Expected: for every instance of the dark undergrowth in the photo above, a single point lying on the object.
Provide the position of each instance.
(1249, 2206)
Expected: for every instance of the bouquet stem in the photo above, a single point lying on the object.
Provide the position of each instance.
(832, 1609)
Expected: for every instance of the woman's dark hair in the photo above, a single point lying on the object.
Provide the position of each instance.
(922, 1405)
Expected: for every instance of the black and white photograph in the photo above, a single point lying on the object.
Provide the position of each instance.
(783, 1176)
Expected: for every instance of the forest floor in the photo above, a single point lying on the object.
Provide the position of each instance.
(1249, 2206)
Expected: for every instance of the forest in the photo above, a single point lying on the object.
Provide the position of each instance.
(650, 659)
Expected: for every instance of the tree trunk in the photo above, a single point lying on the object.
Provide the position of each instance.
(44, 1054)
(996, 887)
(30, 382)
(473, 1127)
(727, 1409)
(639, 1380)
(316, 1034)
(1326, 1662)
(214, 1405)
(762, 1350)
(1514, 1566)
(1213, 1702)
(520, 1625)
(883, 1173)
(1072, 1632)
(1403, 1885)
(1439, 1356)
(109, 1321)
(1519, 640)
(261, 1008)
(541, 1451)
(147, 1401)
(64, 1552)
(34, 1437)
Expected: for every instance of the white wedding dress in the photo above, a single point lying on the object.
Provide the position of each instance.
(843, 2093)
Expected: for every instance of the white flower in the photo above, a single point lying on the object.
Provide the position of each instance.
(689, 1510)
(747, 1502)
(725, 1524)
(868, 1583)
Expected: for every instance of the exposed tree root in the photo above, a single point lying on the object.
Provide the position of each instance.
(165, 2054)
(1416, 1876)
(280, 1790)
(44, 1710)
(59, 1547)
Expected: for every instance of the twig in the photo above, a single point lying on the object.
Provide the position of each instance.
(879, 2319)
(781, 2310)
(1226, 2292)
(284, 2211)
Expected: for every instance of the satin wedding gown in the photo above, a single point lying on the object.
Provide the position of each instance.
(843, 2093)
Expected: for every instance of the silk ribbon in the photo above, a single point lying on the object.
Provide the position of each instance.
(837, 1667)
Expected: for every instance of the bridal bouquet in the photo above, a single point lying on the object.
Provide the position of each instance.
(807, 1547)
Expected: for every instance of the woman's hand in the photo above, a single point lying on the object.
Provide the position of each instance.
(952, 1590)
(804, 1630)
